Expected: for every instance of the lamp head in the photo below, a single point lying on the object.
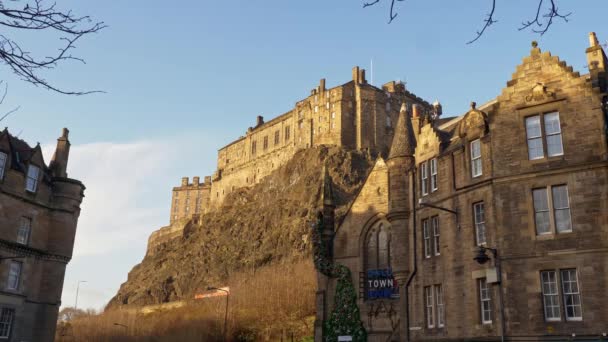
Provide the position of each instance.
(481, 256)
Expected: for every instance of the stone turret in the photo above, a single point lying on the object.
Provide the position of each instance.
(400, 164)
(59, 162)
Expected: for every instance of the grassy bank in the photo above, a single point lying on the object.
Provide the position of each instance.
(273, 303)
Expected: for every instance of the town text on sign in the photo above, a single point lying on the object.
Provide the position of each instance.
(381, 284)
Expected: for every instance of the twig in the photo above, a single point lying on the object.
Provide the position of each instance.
(544, 26)
(392, 13)
(487, 23)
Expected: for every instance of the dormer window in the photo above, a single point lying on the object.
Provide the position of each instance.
(3, 159)
(547, 142)
(31, 180)
(476, 168)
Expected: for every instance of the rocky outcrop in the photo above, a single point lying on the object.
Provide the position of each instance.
(255, 226)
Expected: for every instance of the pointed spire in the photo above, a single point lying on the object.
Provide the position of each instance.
(328, 191)
(403, 140)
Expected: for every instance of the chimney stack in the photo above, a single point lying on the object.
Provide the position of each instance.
(362, 76)
(259, 121)
(59, 162)
(196, 180)
(322, 85)
(184, 181)
(208, 180)
(593, 40)
(356, 74)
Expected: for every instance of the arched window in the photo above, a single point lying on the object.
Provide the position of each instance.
(378, 251)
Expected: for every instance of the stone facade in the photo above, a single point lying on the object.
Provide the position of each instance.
(39, 209)
(524, 176)
(355, 115)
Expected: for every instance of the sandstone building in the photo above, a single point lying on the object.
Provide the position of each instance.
(520, 184)
(354, 115)
(39, 209)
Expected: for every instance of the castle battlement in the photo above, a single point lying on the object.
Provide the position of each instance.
(354, 115)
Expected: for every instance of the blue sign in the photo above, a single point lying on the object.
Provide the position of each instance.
(381, 284)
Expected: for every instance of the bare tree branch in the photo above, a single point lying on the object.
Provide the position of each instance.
(37, 16)
(2, 101)
(487, 23)
(542, 21)
(392, 14)
(544, 26)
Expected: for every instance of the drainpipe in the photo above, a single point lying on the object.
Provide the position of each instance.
(411, 277)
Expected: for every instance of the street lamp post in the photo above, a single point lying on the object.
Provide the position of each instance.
(77, 289)
(226, 314)
(481, 259)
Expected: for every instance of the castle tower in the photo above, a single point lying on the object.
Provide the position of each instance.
(400, 164)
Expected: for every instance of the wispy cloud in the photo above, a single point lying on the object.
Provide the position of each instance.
(126, 198)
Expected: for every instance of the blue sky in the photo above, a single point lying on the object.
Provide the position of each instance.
(183, 79)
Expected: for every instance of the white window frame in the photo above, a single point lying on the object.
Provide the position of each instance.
(440, 306)
(7, 317)
(536, 137)
(435, 226)
(14, 275)
(485, 301)
(544, 134)
(427, 238)
(479, 217)
(424, 176)
(476, 161)
(574, 293)
(552, 209)
(433, 174)
(25, 230)
(550, 292)
(32, 178)
(429, 304)
(558, 133)
(3, 163)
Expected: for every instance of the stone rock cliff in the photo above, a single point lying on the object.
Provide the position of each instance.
(267, 223)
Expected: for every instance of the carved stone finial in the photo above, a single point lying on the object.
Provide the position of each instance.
(534, 44)
(473, 105)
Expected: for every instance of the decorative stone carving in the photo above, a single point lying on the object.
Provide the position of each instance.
(474, 124)
(539, 93)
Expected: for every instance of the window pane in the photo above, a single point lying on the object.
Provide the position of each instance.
(550, 296)
(480, 225)
(13, 275)
(435, 222)
(477, 167)
(533, 127)
(562, 208)
(427, 238)
(554, 145)
(475, 149)
(6, 321)
(440, 306)
(572, 297)
(485, 301)
(541, 211)
(552, 123)
(430, 319)
(23, 234)
(535, 148)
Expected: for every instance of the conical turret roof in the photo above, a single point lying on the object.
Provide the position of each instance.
(403, 140)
